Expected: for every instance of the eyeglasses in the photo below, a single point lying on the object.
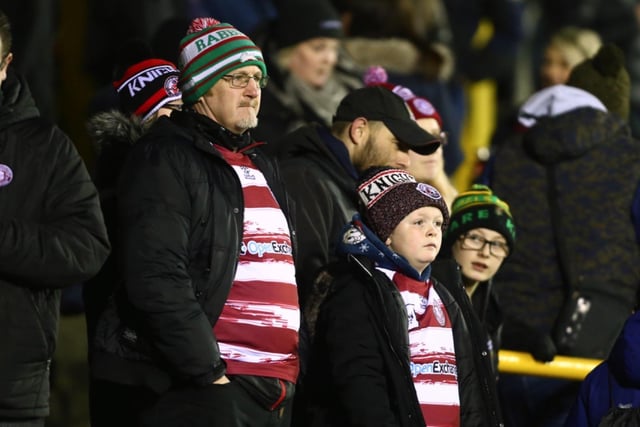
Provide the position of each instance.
(475, 242)
(240, 81)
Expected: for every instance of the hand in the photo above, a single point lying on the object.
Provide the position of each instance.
(523, 337)
(222, 380)
(543, 348)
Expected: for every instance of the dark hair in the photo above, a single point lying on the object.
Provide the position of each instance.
(5, 35)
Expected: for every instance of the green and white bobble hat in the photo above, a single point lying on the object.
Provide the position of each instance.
(210, 50)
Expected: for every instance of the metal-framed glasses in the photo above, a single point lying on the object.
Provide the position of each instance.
(241, 80)
(475, 242)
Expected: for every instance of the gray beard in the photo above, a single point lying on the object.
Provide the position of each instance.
(247, 122)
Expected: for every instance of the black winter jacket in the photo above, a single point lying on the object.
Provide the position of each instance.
(112, 134)
(595, 162)
(180, 210)
(52, 235)
(363, 310)
(325, 196)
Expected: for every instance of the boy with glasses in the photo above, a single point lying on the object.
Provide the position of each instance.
(481, 236)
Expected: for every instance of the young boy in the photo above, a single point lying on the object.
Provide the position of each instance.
(390, 345)
(480, 237)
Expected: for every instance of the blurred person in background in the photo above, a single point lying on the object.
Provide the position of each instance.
(430, 168)
(302, 46)
(573, 280)
(566, 48)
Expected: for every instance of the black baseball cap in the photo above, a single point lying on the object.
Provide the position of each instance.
(379, 103)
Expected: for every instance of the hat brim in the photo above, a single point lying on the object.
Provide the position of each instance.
(410, 133)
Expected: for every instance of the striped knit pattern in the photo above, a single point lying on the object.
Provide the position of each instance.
(257, 331)
(147, 86)
(212, 52)
(433, 360)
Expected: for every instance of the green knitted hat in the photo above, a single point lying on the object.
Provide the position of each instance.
(605, 77)
(478, 207)
(210, 50)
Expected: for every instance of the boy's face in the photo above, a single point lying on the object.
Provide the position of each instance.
(418, 237)
(478, 265)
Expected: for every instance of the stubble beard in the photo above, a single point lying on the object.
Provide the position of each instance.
(370, 156)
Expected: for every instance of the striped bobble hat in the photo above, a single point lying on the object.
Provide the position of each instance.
(210, 50)
(147, 86)
(479, 207)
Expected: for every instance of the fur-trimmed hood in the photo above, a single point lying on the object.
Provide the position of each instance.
(399, 56)
(112, 134)
(113, 127)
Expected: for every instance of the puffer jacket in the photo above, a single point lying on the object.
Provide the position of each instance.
(180, 212)
(615, 383)
(112, 134)
(595, 161)
(52, 235)
(358, 309)
(323, 185)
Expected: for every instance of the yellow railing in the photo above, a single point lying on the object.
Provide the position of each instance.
(572, 368)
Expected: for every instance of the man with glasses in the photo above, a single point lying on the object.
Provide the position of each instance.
(204, 330)
(52, 235)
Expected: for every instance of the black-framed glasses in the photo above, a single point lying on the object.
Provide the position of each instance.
(241, 80)
(475, 242)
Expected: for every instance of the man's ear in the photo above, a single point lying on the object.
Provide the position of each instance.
(358, 131)
(388, 241)
(7, 60)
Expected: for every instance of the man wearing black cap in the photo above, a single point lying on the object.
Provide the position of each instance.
(371, 127)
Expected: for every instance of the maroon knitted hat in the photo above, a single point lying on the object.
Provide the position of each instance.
(388, 195)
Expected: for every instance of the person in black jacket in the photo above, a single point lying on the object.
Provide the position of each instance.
(391, 345)
(113, 133)
(52, 235)
(204, 329)
(371, 127)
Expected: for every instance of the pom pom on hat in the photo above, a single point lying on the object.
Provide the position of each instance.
(210, 50)
(419, 106)
(147, 86)
(388, 195)
(200, 24)
(606, 77)
(478, 207)
(376, 75)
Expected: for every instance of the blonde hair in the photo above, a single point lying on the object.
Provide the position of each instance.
(576, 44)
